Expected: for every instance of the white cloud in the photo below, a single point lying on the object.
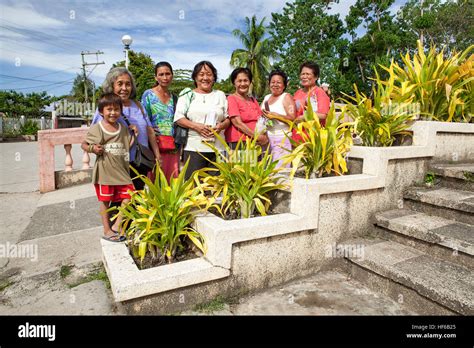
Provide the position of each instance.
(27, 17)
(342, 8)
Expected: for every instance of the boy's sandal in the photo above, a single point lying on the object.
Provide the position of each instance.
(114, 238)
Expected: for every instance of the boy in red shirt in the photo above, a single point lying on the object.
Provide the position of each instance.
(111, 142)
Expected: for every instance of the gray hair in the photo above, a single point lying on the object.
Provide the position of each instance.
(112, 76)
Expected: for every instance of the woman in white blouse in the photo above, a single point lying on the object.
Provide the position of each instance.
(201, 110)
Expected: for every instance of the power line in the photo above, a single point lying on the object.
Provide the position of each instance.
(23, 78)
(41, 86)
(55, 72)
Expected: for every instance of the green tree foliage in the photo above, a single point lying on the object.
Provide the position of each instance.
(15, 104)
(256, 53)
(78, 92)
(225, 86)
(181, 80)
(381, 40)
(142, 68)
(448, 24)
(305, 31)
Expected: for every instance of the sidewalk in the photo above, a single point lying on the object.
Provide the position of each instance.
(19, 165)
(63, 274)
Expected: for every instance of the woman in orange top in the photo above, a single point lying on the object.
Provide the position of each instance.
(309, 74)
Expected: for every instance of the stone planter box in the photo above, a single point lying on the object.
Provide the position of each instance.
(256, 253)
(128, 282)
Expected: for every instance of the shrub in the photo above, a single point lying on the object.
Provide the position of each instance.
(379, 121)
(30, 127)
(323, 149)
(159, 218)
(244, 176)
(443, 86)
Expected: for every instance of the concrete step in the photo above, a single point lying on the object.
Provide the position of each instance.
(448, 203)
(433, 235)
(458, 175)
(429, 284)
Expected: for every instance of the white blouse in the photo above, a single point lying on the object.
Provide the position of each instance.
(203, 107)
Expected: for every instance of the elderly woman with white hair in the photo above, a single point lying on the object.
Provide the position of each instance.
(120, 82)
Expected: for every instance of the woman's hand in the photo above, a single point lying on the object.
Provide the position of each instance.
(262, 139)
(271, 115)
(204, 130)
(220, 127)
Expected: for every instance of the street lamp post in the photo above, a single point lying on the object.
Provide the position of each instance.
(127, 41)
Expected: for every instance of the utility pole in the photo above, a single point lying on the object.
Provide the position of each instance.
(84, 64)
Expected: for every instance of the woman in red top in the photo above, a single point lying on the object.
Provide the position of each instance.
(243, 110)
(309, 75)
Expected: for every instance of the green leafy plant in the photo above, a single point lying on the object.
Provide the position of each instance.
(379, 121)
(430, 178)
(323, 149)
(442, 86)
(30, 127)
(159, 218)
(65, 270)
(244, 177)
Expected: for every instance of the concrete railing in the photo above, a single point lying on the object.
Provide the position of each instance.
(47, 140)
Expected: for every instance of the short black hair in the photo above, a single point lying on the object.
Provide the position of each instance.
(238, 71)
(109, 99)
(279, 73)
(199, 66)
(311, 65)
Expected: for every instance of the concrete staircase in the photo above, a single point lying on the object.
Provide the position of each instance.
(422, 255)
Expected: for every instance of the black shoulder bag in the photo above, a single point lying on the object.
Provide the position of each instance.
(143, 155)
(181, 133)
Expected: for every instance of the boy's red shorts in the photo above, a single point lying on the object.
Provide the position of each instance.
(113, 193)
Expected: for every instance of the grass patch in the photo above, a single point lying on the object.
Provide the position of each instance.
(65, 271)
(98, 274)
(215, 305)
(430, 178)
(5, 285)
(469, 176)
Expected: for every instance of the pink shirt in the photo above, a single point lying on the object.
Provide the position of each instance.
(301, 98)
(249, 112)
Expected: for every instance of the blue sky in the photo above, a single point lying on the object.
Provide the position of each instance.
(41, 41)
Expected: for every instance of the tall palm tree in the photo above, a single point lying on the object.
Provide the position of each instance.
(256, 53)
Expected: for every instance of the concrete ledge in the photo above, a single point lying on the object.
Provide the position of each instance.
(65, 179)
(128, 282)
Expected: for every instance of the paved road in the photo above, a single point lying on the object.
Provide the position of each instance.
(19, 165)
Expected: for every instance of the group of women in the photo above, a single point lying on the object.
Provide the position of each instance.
(203, 110)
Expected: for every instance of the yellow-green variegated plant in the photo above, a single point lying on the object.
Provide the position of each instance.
(159, 217)
(323, 149)
(243, 177)
(380, 120)
(443, 86)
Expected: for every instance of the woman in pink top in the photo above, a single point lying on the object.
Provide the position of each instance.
(309, 75)
(243, 110)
